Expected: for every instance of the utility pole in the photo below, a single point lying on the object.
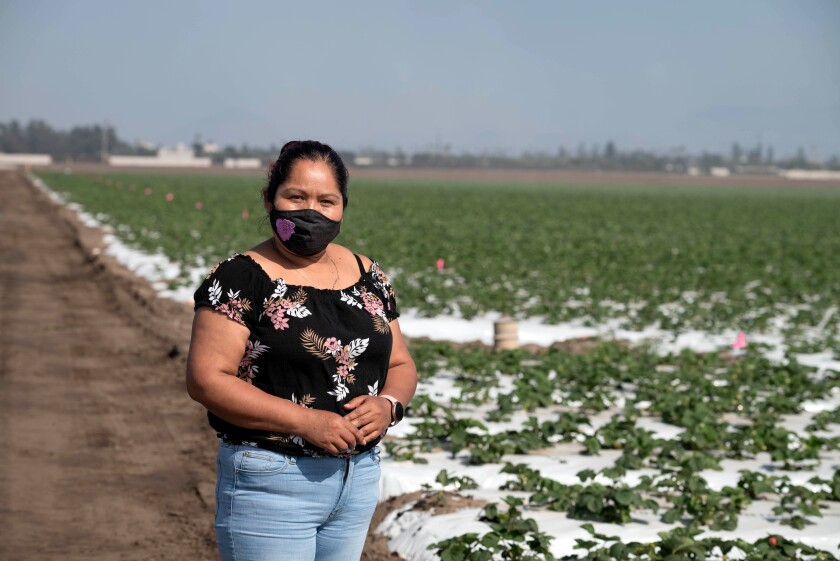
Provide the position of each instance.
(104, 143)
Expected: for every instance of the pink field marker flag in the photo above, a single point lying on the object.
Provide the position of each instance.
(740, 341)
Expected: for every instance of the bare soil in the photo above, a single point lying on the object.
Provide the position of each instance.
(106, 457)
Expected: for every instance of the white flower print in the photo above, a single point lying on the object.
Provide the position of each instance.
(374, 389)
(215, 292)
(247, 369)
(371, 303)
(340, 390)
(350, 300)
(357, 347)
(235, 306)
(278, 307)
(299, 311)
(279, 289)
(344, 355)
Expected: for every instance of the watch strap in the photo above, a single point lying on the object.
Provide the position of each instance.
(394, 401)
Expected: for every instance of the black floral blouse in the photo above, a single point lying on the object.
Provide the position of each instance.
(318, 348)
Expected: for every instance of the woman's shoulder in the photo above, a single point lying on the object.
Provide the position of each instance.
(348, 256)
(237, 264)
(367, 262)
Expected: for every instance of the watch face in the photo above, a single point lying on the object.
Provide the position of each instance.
(399, 411)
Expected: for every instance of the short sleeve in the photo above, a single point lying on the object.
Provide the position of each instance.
(231, 289)
(383, 285)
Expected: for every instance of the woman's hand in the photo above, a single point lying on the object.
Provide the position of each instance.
(332, 432)
(371, 414)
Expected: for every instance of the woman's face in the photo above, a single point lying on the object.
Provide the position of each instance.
(311, 185)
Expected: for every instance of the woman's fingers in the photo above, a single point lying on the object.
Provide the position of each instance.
(337, 435)
(369, 409)
(373, 425)
(332, 432)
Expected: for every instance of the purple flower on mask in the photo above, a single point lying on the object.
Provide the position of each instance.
(285, 228)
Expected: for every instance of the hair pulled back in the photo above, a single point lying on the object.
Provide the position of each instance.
(310, 150)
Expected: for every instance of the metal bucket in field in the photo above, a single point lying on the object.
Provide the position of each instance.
(505, 334)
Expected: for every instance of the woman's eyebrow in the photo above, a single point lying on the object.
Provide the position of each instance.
(291, 190)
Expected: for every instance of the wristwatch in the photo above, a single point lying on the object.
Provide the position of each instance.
(397, 409)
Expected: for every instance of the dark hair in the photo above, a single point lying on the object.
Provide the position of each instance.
(311, 150)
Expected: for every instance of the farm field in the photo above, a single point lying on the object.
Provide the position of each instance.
(680, 257)
(604, 442)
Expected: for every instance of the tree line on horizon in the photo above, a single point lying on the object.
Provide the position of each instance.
(94, 142)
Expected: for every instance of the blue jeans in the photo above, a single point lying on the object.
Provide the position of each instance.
(272, 506)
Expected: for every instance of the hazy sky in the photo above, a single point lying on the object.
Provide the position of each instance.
(488, 75)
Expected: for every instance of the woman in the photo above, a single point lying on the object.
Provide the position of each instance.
(297, 355)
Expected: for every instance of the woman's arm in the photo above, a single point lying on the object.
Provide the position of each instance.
(372, 414)
(216, 348)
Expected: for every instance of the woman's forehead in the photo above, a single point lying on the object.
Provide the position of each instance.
(307, 172)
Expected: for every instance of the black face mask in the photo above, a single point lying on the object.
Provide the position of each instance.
(303, 232)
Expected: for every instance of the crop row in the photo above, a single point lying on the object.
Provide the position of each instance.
(690, 390)
(512, 536)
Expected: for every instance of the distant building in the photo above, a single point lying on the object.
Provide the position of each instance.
(179, 156)
(757, 169)
(719, 172)
(179, 152)
(814, 174)
(242, 163)
(15, 160)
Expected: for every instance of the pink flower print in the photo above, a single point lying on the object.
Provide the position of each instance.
(343, 356)
(372, 304)
(278, 317)
(230, 311)
(286, 303)
(247, 370)
(332, 344)
(285, 228)
(343, 371)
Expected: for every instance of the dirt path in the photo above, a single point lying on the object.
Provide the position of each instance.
(102, 456)
(105, 455)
